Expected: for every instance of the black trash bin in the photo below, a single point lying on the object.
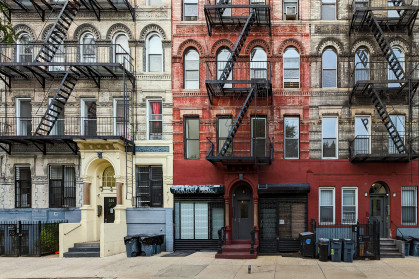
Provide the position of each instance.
(348, 250)
(323, 249)
(336, 249)
(131, 245)
(414, 247)
(307, 244)
(407, 243)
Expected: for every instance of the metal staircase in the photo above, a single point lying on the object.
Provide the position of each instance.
(58, 102)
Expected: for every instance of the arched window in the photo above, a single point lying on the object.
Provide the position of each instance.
(291, 68)
(24, 49)
(329, 69)
(398, 52)
(362, 64)
(258, 63)
(222, 58)
(108, 179)
(122, 51)
(88, 48)
(154, 51)
(191, 69)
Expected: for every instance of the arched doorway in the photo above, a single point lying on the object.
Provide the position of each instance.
(379, 206)
(242, 204)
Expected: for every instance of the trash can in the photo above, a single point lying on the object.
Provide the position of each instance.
(336, 249)
(131, 245)
(414, 247)
(307, 244)
(407, 243)
(323, 249)
(147, 245)
(348, 250)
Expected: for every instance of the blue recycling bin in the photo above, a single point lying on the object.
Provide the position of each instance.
(336, 249)
(348, 250)
(147, 249)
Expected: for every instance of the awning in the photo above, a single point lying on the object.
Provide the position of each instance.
(283, 188)
(197, 189)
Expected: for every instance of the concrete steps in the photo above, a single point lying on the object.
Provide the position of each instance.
(84, 250)
(388, 249)
(238, 249)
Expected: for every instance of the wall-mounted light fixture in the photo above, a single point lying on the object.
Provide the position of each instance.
(366, 194)
(394, 194)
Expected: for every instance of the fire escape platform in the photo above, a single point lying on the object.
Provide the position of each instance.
(215, 16)
(400, 89)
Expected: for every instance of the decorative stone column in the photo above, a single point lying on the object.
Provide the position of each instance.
(119, 187)
(227, 221)
(86, 193)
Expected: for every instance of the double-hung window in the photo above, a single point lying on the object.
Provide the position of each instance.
(24, 116)
(192, 138)
(154, 51)
(291, 137)
(329, 69)
(191, 69)
(23, 187)
(349, 205)
(327, 205)
(190, 10)
(290, 9)
(330, 137)
(362, 143)
(409, 205)
(121, 117)
(291, 68)
(62, 186)
(224, 124)
(149, 186)
(155, 120)
(328, 9)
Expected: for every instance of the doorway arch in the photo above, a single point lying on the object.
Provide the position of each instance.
(378, 206)
(242, 205)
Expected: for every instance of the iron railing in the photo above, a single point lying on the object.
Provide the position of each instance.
(69, 126)
(105, 5)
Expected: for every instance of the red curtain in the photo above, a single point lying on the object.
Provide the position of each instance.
(156, 111)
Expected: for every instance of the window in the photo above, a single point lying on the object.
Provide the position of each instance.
(88, 48)
(191, 71)
(409, 205)
(190, 10)
(154, 2)
(58, 129)
(329, 137)
(362, 143)
(121, 117)
(400, 57)
(24, 48)
(154, 119)
(23, 186)
(149, 186)
(291, 68)
(108, 178)
(258, 128)
(329, 69)
(88, 117)
(62, 186)
(59, 57)
(222, 58)
(227, 11)
(290, 9)
(349, 205)
(399, 122)
(327, 205)
(191, 138)
(394, 13)
(291, 137)
(224, 124)
(24, 116)
(362, 66)
(258, 64)
(154, 51)
(328, 9)
(122, 50)
(198, 219)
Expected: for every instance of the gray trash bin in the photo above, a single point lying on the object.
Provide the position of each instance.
(414, 247)
(348, 250)
(336, 249)
(131, 245)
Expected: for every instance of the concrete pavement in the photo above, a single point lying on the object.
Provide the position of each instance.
(204, 265)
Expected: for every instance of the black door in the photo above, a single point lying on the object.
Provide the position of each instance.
(242, 212)
(109, 214)
(378, 213)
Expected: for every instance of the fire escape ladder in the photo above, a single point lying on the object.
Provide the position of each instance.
(385, 46)
(57, 104)
(58, 31)
(239, 119)
(385, 117)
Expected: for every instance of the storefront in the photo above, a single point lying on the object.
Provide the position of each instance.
(198, 215)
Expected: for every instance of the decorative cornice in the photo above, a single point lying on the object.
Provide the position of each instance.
(118, 27)
(152, 28)
(86, 27)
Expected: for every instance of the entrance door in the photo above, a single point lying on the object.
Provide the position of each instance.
(242, 212)
(377, 212)
(109, 212)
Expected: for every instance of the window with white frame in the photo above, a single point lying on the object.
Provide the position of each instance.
(191, 138)
(399, 124)
(258, 63)
(59, 57)
(190, 10)
(327, 205)
(291, 68)
(154, 119)
(291, 137)
(191, 69)
(24, 48)
(121, 117)
(409, 205)
(122, 51)
(349, 205)
(58, 129)
(398, 52)
(328, 9)
(290, 9)
(393, 13)
(362, 141)
(154, 2)
(329, 137)
(222, 58)
(362, 65)
(224, 124)
(329, 69)
(23, 116)
(88, 117)
(154, 51)
(88, 48)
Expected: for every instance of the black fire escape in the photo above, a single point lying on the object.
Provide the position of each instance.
(246, 81)
(384, 83)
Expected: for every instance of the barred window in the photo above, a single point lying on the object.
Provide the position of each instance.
(62, 186)
(409, 205)
(149, 186)
(23, 187)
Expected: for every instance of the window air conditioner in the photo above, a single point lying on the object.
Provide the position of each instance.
(291, 12)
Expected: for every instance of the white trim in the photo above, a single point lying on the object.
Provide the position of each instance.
(356, 203)
(337, 136)
(334, 204)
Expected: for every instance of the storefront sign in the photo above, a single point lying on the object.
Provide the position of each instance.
(197, 189)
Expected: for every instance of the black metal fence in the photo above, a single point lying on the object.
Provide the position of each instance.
(365, 234)
(33, 239)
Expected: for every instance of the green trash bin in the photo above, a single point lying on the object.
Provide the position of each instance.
(336, 249)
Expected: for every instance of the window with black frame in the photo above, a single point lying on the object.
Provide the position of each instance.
(23, 187)
(149, 186)
(62, 186)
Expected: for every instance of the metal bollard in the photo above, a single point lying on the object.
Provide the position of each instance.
(249, 269)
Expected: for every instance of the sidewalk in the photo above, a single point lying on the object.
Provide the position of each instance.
(204, 265)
